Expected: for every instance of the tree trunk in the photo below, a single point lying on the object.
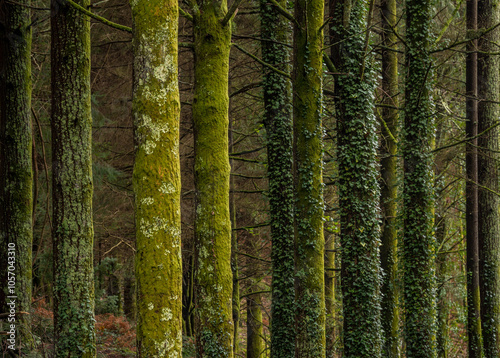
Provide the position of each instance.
(255, 329)
(475, 344)
(275, 30)
(418, 203)
(488, 200)
(389, 192)
(308, 171)
(213, 276)
(359, 193)
(72, 186)
(156, 179)
(16, 178)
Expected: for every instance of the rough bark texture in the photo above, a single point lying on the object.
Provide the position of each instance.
(72, 182)
(156, 179)
(475, 344)
(255, 328)
(276, 31)
(16, 178)
(388, 169)
(418, 216)
(308, 168)
(213, 276)
(359, 193)
(488, 200)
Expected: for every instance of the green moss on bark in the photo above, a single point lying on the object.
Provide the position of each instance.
(213, 276)
(157, 182)
(72, 183)
(16, 179)
(358, 186)
(308, 170)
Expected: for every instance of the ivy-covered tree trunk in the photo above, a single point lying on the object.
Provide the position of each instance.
(72, 186)
(488, 200)
(357, 183)
(16, 178)
(255, 328)
(213, 276)
(418, 202)
(276, 32)
(157, 182)
(308, 172)
(475, 344)
(388, 169)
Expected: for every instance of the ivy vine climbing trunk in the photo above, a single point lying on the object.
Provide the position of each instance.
(418, 203)
(276, 32)
(72, 185)
(16, 178)
(357, 183)
(308, 176)
(213, 276)
(156, 179)
(388, 167)
(488, 200)
(475, 344)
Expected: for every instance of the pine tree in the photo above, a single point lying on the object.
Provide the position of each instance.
(418, 259)
(16, 178)
(308, 172)
(358, 186)
(157, 182)
(72, 182)
(213, 276)
(276, 35)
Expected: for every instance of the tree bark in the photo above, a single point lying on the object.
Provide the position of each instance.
(308, 172)
(488, 200)
(213, 276)
(156, 179)
(72, 185)
(475, 344)
(16, 178)
(388, 169)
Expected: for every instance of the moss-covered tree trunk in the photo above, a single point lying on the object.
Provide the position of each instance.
(443, 334)
(16, 178)
(308, 172)
(358, 187)
(156, 178)
(213, 276)
(388, 169)
(475, 345)
(330, 306)
(488, 200)
(234, 250)
(255, 328)
(276, 32)
(72, 186)
(418, 203)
